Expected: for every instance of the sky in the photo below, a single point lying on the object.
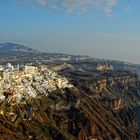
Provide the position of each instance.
(106, 29)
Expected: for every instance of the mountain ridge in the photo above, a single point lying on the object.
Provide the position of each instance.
(9, 47)
(13, 52)
(14, 47)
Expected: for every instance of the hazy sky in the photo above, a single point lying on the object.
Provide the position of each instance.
(100, 28)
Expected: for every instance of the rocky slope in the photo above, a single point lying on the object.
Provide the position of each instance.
(96, 108)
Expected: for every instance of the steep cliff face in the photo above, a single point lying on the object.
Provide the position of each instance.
(116, 92)
(86, 118)
(79, 113)
(96, 108)
(119, 94)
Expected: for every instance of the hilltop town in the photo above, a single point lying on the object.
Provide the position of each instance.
(22, 82)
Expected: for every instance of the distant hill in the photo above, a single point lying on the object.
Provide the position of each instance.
(12, 47)
(11, 52)
(17, 53)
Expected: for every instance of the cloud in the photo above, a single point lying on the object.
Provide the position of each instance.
(42, 2)
(127, 9)
(78, 5)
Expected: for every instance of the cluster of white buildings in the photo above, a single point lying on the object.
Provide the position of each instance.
(104, 67)
(19, 83)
